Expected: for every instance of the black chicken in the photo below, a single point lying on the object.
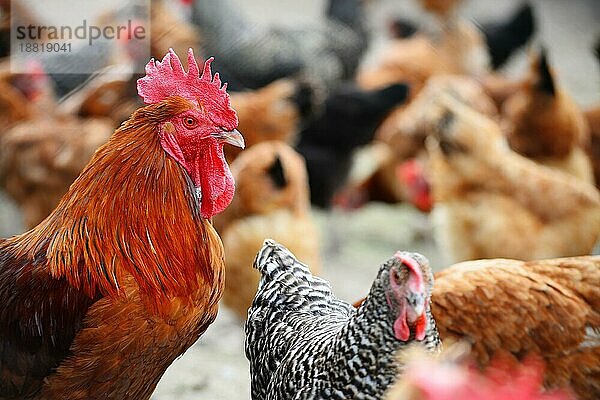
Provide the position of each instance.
(350, 118)
(505, 37)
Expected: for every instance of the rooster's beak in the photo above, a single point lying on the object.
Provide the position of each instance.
(233, 137)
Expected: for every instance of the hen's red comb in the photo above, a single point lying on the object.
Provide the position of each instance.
(167, 78)
(413, 266)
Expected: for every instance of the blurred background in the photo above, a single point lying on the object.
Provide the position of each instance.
(350, 75)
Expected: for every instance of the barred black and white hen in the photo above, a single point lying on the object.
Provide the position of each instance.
(304, 343)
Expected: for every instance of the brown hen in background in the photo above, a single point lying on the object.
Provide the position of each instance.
(547, 309)
(492, 202)
(545, 124)
(272, 201)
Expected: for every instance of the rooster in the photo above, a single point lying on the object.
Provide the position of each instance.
(303, 342)
(126, 273)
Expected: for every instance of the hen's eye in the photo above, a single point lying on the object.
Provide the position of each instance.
(395, 275)
(190, 122)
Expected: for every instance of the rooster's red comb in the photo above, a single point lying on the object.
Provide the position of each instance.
(167, 78)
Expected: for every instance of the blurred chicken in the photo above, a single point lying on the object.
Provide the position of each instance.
(492, 202)
(349, 120)
(509, 308)
(4, 28)
(107, 93)
(14, 106)
(545, 124)
(39, 160)
(70, 73)
(168, 30)
(455, 46)
(328, 51)
(402, 129)
(15, 13)
(401, 174)
(503, 38)
(414, 185)
(274, 112)
(24, 95)
(450, 375)
(271, 201)
(593, 118)
(412, 60)
(111, 91)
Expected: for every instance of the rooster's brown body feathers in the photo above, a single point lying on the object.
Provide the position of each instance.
(117, 282)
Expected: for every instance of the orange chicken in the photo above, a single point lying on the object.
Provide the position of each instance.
(514, 309)
(492, 202)
(268, 113)
(39, 159)
(544, 123)
(271, 201)
(127, 272)
(404, 137)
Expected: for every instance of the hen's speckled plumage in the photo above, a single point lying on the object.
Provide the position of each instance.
(304, 343)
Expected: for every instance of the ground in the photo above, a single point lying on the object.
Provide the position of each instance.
(355, 244)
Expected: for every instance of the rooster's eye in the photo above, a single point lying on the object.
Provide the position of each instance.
(190, 122)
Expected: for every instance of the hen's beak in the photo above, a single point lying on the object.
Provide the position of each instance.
(416, 305)
(233, 137)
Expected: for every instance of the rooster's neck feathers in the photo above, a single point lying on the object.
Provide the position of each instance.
(132, 211)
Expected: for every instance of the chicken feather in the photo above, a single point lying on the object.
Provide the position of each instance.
(548, 308)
